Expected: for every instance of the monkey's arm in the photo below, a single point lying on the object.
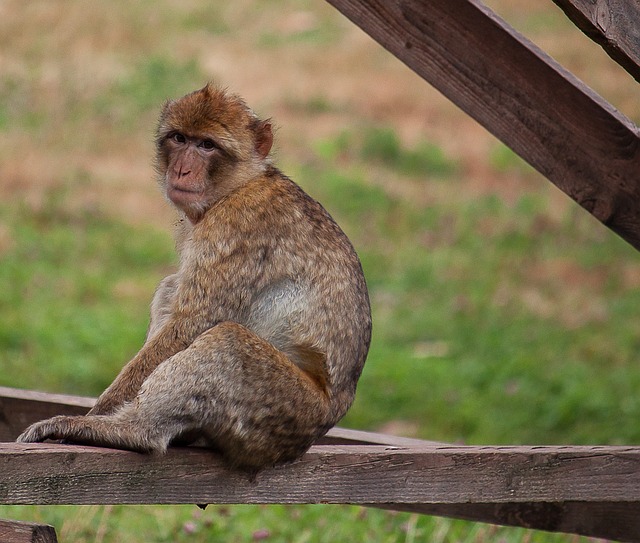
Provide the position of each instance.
(204, 296)
(173, 337)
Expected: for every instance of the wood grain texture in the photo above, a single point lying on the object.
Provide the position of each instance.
(13, 531)
(551, 119)
(360, 474)
(613, 24)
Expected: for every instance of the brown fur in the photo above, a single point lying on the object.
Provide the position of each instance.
(256, 344)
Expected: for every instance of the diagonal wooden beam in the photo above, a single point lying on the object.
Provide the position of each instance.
(613, 24)
(552, 120)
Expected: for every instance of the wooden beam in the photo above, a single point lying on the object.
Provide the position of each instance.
(344, 436)
(612, 519)
(617, 521)
(551, 119)
(591, 491)
(14, 531)
(359, 474)
(613, 24)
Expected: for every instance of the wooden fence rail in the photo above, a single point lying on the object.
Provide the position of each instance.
(587, 490)
(356, 474)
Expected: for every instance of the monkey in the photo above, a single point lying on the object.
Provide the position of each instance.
(256, 343)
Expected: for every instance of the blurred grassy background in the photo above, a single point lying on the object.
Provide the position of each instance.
(503, 313)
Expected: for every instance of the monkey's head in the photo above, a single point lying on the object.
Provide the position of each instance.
(208, 144)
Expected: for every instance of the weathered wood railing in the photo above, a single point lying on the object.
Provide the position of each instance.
(613, 24)
(587, 490)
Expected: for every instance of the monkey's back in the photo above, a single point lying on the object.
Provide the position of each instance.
(305, 290)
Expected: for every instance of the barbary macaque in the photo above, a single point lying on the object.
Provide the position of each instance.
(256, 343)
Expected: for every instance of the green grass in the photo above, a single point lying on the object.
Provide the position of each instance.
(73, 295)
(273, 523)
(382, 147)
(152, 81)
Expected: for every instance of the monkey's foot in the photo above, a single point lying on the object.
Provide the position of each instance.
(99, 431)
(54, 428)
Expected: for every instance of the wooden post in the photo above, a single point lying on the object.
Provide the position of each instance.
(14, 531)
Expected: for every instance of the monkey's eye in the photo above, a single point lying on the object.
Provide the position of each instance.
(208, 145)
(178, 138)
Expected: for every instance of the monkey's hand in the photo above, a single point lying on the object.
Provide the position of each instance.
(54, 428)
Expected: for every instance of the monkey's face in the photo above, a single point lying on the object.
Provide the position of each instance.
(190, 171)
(208, 144)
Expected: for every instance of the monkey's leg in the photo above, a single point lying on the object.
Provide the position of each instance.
(230, 387)
(239, 394)
(116, 431)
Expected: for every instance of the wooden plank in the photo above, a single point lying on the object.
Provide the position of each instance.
(591, 491)
(13, 531)
(618, 521)
(613, 24)
(369, 474)
(344, 436)
(552, 120)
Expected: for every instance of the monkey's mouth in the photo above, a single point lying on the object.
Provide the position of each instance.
(183, 194)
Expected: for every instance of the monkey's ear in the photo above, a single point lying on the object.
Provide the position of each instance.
(264, 138)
